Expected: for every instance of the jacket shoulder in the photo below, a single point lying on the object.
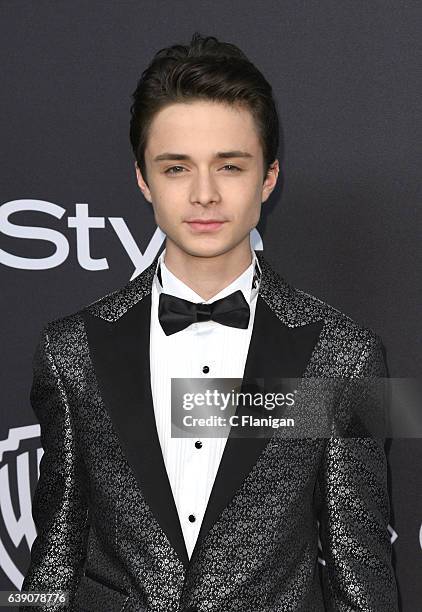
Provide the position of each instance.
(109, 306)
(337, 323)
(296, 307)
(66, 329)
(345, 344)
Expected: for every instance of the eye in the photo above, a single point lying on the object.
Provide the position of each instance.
(170, 170)
(233, 168)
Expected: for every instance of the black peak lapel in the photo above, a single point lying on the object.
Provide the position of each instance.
(286, 329)
(120, 354)
(275, 351)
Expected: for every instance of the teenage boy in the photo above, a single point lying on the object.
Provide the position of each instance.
(131, 518)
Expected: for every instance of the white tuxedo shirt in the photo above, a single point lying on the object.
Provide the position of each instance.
(192, 468)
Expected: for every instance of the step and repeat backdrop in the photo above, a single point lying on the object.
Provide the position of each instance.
(344, 223)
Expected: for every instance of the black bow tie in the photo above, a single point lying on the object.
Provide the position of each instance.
(175, 313)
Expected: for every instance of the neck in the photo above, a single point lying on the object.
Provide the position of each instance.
(207, 276)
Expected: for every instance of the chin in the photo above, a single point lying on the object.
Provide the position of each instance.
(205, 250)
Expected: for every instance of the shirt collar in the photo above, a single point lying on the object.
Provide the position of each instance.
(248, 282)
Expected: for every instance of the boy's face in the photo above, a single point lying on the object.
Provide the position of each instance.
(188, 180)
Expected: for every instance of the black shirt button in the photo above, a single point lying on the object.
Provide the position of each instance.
(205, 369)
(198, 444)
(192, 518)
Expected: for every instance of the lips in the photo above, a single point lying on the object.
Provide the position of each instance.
(206, 221)
(207, 225)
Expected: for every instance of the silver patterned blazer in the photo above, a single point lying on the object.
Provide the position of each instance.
(107, 525)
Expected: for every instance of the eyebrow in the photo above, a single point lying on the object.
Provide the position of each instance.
(220, 155)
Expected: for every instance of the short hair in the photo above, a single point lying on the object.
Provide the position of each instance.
(206, 69)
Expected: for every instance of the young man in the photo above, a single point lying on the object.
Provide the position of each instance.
(131, 518)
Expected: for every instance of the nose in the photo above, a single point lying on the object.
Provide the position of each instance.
(204, 189)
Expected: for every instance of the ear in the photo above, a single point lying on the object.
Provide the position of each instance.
(270, 180)
(142, 184)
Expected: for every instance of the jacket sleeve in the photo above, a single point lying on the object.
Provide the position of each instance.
(355, 510)
(59, 505)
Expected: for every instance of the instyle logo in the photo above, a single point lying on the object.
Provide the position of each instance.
(81, 223)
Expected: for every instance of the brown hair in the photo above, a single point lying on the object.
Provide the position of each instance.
(206, 69)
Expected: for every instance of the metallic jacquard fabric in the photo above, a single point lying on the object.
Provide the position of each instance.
(98, 538)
